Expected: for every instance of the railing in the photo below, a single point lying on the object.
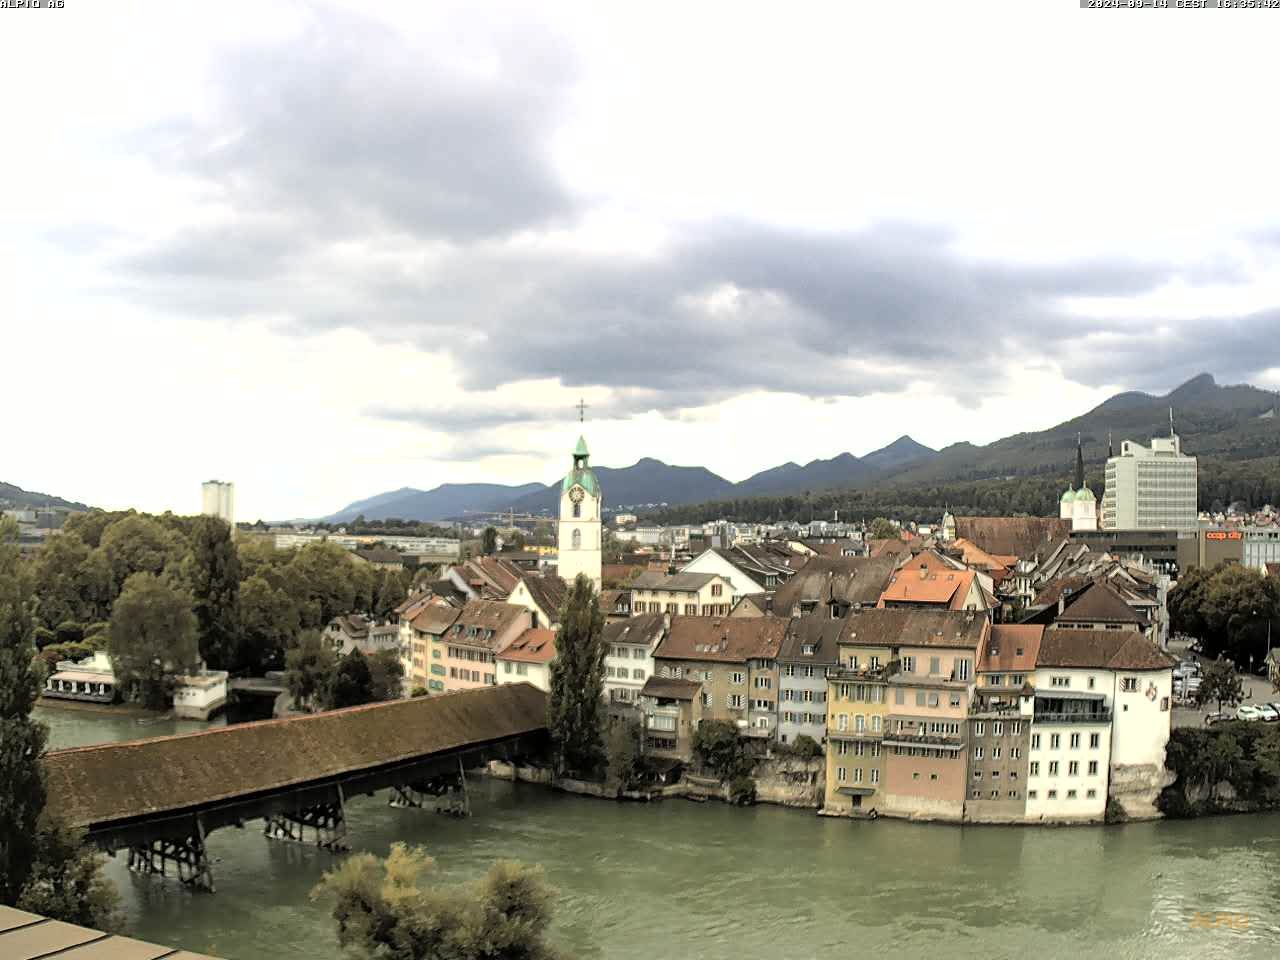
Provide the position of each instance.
(883, 672)
(923, 740)
(1101, 716)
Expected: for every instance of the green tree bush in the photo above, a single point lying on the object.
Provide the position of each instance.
(383, 909)
(352, 683)
(309, 669)
(152, 638)
(575, 707)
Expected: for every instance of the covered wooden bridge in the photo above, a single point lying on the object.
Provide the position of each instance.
(161, 797)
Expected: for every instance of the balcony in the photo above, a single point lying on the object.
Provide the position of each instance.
(864, 674)
(942, 740)
(1097, 717)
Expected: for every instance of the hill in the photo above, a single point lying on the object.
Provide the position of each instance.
(12, 497)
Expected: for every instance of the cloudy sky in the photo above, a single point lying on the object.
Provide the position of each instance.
(330, 249)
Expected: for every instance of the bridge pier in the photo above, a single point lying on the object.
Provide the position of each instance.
(188, 856)
(447, 792)
(327, 822)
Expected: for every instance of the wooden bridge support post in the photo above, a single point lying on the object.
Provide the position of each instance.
(328, 822)
(448, 791)
(188, 855)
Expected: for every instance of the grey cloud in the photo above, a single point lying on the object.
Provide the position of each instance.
(354, 140)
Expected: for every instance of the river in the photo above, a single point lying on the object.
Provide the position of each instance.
(678, 879)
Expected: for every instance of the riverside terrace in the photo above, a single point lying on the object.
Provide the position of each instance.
(159, 798)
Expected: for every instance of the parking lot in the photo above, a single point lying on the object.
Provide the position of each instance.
(1256, 690)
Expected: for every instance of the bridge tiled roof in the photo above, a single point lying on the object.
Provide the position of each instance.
(116, 781)
(28, 936)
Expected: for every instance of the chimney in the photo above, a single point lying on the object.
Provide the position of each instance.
(666, 621)
(1062, 602)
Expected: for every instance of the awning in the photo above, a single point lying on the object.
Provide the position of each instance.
(856, 791)
(1067, 695)
(78, 676)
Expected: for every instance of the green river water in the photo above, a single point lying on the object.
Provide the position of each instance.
(678, 879)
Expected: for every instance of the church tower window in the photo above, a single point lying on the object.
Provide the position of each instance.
(576, 540)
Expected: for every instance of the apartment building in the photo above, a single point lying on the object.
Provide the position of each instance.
(809, 651)
(423, 623)
(687, 594)
(999, 737)
(734, 661)
(1151, 488)
(469, 648)
(527, 659)
(857, 712)
(934, 589)
(628, 662)
(672, 709)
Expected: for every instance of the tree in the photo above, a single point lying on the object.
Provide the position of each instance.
(882, 529)
(622, 749)
(320, 578)
(1220, 683)
(352, 682)
(382, 908)
(719, 749)
(22, 740)
(574, 708)
(386, 672)
(140, 544)
(152, 637)
(67, 884)
(309, 669)
(268, 625)
(213, 570)
(489, 541)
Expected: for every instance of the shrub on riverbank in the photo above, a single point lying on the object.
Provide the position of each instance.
(1229, 767)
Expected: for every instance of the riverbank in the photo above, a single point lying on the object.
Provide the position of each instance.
(129, 711)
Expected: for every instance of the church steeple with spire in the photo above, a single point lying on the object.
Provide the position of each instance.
(1078, 503)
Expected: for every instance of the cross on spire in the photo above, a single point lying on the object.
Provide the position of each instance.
(582, 410)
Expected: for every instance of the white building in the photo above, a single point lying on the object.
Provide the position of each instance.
(527, 659)
(1078, 503)
(219, 500)
(579, 547)
(1151, 488)
(201, 695)
(628, 661)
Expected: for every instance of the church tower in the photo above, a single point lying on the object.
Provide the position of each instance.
(1078, 503)
(579, 535)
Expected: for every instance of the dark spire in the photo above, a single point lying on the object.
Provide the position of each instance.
(1079, 484)
(1111, 451)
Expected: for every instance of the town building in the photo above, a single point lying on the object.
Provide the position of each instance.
(218, 499)
(937, 589)
(92, 679)
(999, 735)
(690, 594)
(542, 595)
(380, 557)
(1078, 503)
(672, 709)
(809, 652)
(1151, 488)
(628, 663)
(758, 568)
(833, 585)
(527, 659)
(423, 627)
(579, 543)
(736, 663)
(470, 646)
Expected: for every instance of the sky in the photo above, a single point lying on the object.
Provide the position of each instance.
(325, 250)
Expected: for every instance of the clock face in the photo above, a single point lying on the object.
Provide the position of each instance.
(576, 494)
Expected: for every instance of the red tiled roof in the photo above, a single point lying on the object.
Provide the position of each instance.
(1104, 649)
(532, 646)
(1011, 647)
(918, 627)
(942, 588)
(1021, 537)
(723, 639)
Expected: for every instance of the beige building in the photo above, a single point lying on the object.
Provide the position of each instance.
(734, 661)
(685, 594)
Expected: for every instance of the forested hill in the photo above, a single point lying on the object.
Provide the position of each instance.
(1233, 430)
(12, 497)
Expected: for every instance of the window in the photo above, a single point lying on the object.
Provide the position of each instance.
(857, 774)
(764, 683)
(875, 723)
(1091, 794)
(738, 677)
(964, 669)
(1091, 683)
(842, 747)
(919, 698)
(995, 794)
(899, 696)
(995, 753)
(1015, 753)
(859, 723)
(955, 699)
(908, 664)
(1055, 741)
(638, 654)
(875, 774)
(1053, 794)
(974, 795)
(1073, 768)
(979, 728)
(997, 728)
(1013, 774)
(1032, 794)
(996, 680)
(806, 649)
(1094, 740)
(789, 670)
(1075, 741)
(1013, 794)
(933, 699)
(735, 701)
(1034, 771)
(977, 753)
(506, 668)
(1129, 684)
(977, 774)
(1017, 679)
(935, 666)
(575, 541)
(522, 670)
(717, 589)
(842, 774)
(995, 774)
(1015, 728)
(1071, 794)
(875, 663)
(842, 722)
(808, 695)
(1059, 681)
(1093, 768)
(690, 609)
(859, 749)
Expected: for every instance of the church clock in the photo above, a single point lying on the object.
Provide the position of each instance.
(576, 494)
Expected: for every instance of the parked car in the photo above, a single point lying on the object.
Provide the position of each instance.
(1211, 718)
(1247, 711)
(1196, 646)
(1268, 712)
